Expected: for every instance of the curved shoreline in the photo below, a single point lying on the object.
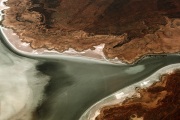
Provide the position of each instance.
(127, 92)
(170, 60)
(148, 70)
(63, 57)
(159, 37)
(79, 59)
(55, 54)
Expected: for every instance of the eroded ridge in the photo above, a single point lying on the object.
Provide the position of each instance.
(129, 29)
(160, 101)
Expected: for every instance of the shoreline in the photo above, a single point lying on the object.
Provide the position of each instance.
(40, 52)
(164, 41)
(25, 48)
(120, 96)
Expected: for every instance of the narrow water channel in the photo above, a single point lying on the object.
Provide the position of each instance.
(73, 85)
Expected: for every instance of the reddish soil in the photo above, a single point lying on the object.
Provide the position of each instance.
(160, 101)
(130, 29)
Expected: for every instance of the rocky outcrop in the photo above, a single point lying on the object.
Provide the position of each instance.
(129, 29)
(160, 101)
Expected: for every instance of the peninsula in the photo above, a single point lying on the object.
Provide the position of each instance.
(129, 29)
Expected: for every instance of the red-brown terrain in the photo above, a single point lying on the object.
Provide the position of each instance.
(160, 101)
(130, 29)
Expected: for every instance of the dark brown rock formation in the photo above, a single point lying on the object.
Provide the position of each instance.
(129, 29)
(160, 101)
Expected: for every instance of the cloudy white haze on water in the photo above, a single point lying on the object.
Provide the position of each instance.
(21, 86)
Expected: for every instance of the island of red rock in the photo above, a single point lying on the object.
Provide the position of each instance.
(130, 29)
(160, 101)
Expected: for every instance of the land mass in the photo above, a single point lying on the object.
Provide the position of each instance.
(160, 101)
(130, 29)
